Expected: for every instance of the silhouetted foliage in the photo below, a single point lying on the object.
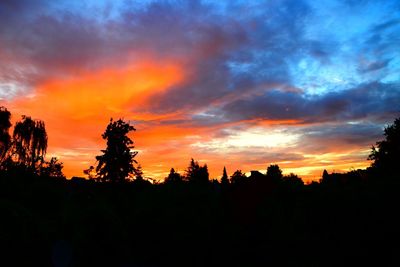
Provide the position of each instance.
(257, 176)
(91, 173)
(5, 138)
(139, 173)
(203, 174)
(30, 141)
(52, 169)
(238, 177)
(224, 178)
(197, 174)
(293, 180)
(173, 177)
(325, 175)
(343, 179)
(215, 182)
(24, 153)
(386, 154)
(140, 180)
(332, 179)
(274, 173)
(117, 162)
(262, 220)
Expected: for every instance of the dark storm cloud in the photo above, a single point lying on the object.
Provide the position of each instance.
(371, 99)
(386, 25)
(361, 134)
(383, 38)
(373, 66)
(37, 43)
(236, 55)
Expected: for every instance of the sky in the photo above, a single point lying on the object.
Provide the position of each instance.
(309, 85)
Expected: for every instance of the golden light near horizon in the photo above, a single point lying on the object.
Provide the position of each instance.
(250, 138)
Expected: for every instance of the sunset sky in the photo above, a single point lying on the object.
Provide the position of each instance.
(304, 84)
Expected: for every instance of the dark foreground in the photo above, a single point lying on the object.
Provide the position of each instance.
(50, 222)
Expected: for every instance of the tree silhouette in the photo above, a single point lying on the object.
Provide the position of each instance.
(274, 172)
(293, 180)
(238, 177)
(224, 179)
(325, 175)
(91, 172)
(5, 138)
(203, 174)
(139, 173)
(30, 141)
(196, 173)
(326, 178)
(386, 154)
(173, 177)
(52, 169)
(264, 212)
(117, 162)
(192, 170)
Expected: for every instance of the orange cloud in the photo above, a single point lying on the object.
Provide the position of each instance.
(106, 91)
(76, 110)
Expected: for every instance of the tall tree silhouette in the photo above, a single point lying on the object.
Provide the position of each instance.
(224, 178)
(386, 154)
(325, 177)
(117, 162)
(5, 138)
(325, 174)
(30, 141)
(203, 174)
(196, 173)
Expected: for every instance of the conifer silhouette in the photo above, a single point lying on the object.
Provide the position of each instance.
(117, 162)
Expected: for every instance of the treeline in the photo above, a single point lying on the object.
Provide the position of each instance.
(118, 218)
(24, 152)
